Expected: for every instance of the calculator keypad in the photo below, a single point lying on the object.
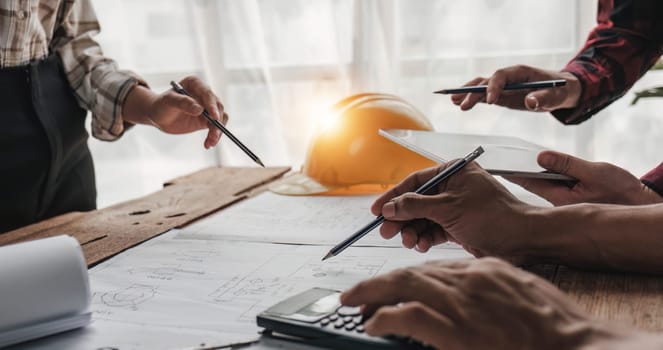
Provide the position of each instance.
(352, 321)
(348, 311)
(346, 318)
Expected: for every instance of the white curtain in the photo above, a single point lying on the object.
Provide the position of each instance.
(277, 63)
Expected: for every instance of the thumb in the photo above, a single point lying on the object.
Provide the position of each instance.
(544, 100)
(565, 164)
(409, 206)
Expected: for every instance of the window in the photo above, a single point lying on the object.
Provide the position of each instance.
(275, 63)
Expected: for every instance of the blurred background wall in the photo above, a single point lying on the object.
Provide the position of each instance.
(276, 64)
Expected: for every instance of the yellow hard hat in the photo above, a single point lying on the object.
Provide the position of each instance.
(349, 156)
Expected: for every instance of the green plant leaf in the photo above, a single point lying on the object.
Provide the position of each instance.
(653, 92)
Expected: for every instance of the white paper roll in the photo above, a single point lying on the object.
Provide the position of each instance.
(42, 280)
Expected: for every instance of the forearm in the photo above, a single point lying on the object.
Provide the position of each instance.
(612, 337)
(138, 104)
(625, 238)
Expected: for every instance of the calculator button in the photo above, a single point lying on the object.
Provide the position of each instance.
(350, 326)
(349, 311)
(339, 323)
(360, 328)
(324, 322)
(358, 319)
(347, 319)
(333, 317)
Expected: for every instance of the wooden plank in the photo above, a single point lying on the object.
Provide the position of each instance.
(109, 231)
(629, 299)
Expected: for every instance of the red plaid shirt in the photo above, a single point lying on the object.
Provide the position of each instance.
(626, 42)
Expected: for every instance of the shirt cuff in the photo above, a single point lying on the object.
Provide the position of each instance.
(597, 92)
(585, 109)
(654, 179)
(107, 119)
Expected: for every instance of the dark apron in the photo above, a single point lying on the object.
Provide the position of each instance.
(45, 164)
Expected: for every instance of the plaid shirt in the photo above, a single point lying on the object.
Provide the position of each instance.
(627, 41)
(32, 29)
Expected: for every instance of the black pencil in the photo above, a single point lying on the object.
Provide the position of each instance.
(519, 86)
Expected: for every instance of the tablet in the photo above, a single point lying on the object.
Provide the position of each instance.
(504, 155)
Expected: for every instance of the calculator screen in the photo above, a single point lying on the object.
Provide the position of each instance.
(320, 307)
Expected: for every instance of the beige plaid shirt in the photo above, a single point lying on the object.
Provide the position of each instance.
(31, 29)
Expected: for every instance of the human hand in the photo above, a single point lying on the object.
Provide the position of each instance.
(470, 208)
(472, 304)
(537, 100)
(174, 113)
(598, 182)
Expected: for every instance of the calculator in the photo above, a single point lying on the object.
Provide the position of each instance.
(317, 317)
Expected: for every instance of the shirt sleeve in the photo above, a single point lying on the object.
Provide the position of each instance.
(626, 42)
(654, 179)
(98, 84)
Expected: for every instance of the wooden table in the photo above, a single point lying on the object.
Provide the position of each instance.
(625, 298)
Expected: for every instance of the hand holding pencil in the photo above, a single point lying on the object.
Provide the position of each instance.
(216, 125)
(537, 98)
(471, 208)
(426, 187)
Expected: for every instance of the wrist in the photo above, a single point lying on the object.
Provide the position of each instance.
(526, 244)
(645, 195)
(138, 105)
(554, 234)
(573, 88)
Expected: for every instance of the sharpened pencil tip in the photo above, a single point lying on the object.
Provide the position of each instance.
(329, 255)
(440, 92)
(260, 162)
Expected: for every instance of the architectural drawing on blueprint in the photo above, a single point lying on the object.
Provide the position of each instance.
(167, 272)
(338, 267)
(130, 297)
(309, 220)
(223, 285)
(315, 220)
(196, 255)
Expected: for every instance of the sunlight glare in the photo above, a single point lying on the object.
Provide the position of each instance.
(326, 118)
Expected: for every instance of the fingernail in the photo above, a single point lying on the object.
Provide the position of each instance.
(466, 103)
(532, 103)
(389, 209)
(489, 98)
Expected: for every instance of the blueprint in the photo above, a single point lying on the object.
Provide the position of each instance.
(291, 220)
(311, 220)
(181, 292)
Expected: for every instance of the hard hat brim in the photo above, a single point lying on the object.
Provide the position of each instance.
(299, 185)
